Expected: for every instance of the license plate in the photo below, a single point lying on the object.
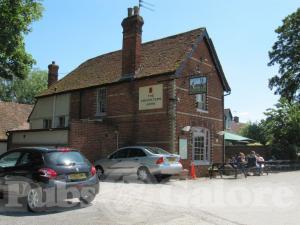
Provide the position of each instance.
(77, 176)
(172, 159)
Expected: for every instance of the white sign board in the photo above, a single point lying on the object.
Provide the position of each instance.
(183, 148)
(151, 97)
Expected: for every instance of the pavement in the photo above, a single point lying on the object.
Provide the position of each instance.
(257, 200)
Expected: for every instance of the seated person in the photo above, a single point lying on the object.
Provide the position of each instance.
(241, 162)
(260, 162)
(252, 160)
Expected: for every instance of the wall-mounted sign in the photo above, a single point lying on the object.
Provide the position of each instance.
(198, 85)
(151, 97)
(183, 148)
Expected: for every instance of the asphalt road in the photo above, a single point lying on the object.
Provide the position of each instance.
(273, 199)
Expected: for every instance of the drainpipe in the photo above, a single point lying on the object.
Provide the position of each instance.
(172, 114)
(53, 112)
(228, 93)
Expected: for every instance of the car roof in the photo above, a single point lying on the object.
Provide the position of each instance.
(41, 149)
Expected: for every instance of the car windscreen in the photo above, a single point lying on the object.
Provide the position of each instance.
(156, 150)
(64, 158)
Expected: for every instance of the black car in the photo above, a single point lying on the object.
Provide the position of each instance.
(43, 177)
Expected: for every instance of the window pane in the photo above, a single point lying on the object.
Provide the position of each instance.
(10, 159)
(121, 154)
(64, 158)
(201, 101)
(101, 101)
(135, 152)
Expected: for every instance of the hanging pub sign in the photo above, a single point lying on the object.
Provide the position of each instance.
(198, 85)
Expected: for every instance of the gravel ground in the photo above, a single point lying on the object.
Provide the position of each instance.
(273, 199)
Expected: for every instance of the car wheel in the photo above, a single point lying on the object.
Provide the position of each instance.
(34, 200)
(144, 175)
(100, 172)
(87, 197)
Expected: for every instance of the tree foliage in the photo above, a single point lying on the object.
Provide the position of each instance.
(282, 126)
(15, 19)
(24, 91)
(254, 131)
(286, 53)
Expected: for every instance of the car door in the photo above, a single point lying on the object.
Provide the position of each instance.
(26, 169)
(135, 159)
(8, 163)
(117, 164)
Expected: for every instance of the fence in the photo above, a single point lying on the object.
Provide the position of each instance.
(264, 151)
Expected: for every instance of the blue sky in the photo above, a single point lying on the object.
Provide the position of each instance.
(72, 31)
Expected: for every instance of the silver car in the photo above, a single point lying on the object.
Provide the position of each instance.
(146, 162)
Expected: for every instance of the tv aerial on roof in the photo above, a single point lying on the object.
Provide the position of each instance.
(146, 5)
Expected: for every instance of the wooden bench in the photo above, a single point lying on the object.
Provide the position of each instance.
(225, 169)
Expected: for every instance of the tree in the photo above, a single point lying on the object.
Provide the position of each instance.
(282, 126)
(254, 131)
(24, 91)
(15, 19)
(286, 53)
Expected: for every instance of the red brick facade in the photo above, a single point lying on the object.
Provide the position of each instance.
(126, 124)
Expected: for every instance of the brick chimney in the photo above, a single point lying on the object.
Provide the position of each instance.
(236, 119)
(132, 42)
(52, 73)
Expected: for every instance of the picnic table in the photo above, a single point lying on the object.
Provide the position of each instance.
(234, 169)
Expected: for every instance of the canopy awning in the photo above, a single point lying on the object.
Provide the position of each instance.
(237, 138)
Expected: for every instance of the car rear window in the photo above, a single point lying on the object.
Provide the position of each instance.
(64, 158)
(156, 150)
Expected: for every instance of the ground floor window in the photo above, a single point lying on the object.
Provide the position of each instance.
(201, 146)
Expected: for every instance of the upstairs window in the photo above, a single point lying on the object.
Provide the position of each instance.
(47, 123)
(201, 102)
(101, 102)
(198, 87)
(60, 121)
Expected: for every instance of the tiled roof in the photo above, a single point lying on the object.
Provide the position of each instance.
(13, 116)
(158, 57)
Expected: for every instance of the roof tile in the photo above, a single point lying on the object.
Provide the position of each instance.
(13, 116)
(158, 57)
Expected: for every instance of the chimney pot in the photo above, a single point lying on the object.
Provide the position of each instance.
(236, 119)
(130, 12)
(136, 10)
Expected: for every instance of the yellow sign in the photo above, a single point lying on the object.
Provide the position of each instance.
(151, 97)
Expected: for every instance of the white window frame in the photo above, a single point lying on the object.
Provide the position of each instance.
(101, 106)
(201, 100)
(204, 148)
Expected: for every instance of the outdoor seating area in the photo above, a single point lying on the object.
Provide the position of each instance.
(252, 164)
(252, 168)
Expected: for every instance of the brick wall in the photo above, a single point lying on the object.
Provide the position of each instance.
(157, 127)
(187, 114)
(98, 137)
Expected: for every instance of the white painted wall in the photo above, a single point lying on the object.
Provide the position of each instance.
(50, 108)
(3, 147)
(46, 138)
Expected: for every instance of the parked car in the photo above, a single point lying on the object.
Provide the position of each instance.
(146, 162)
(36, 170)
